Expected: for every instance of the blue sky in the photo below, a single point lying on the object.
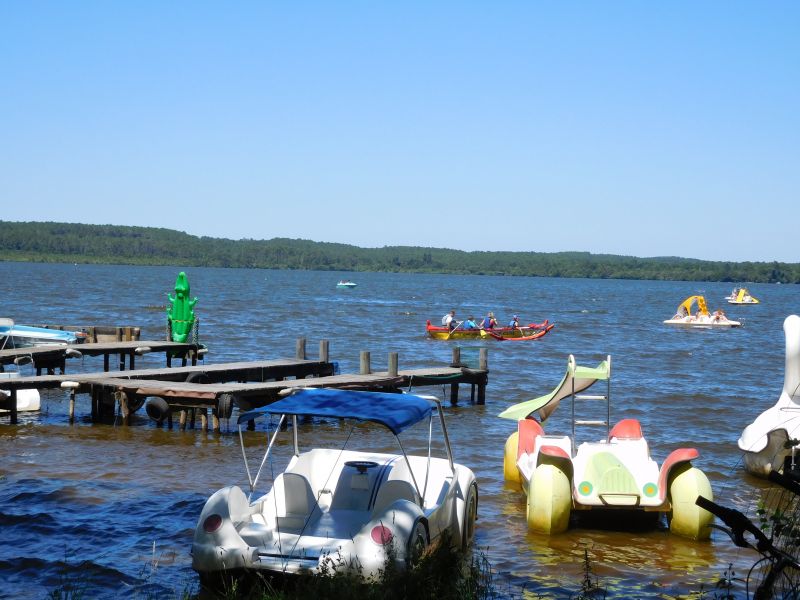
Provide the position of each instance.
(647, 129)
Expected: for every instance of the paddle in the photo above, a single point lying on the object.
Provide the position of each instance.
(449, 333)
(497, 336)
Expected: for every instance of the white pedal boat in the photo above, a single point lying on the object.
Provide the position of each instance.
(702, 319)
(340, 505)
(613, 473)
(741, 296)
(771, 438)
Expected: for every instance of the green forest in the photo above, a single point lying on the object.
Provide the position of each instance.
(114, 244)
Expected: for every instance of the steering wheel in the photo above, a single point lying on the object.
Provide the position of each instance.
(361, 465)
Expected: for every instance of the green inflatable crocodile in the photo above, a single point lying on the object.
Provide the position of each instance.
(180, 315)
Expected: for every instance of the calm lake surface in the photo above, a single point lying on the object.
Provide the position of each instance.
(114, 508)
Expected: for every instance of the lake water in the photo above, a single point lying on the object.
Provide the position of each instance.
(113, 508)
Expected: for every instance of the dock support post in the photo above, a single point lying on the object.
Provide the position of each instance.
(392, 364)
(455, 363)
(72, 406)
(192, 417)
(121, 361)
(131, 360)
(105, 362)
(182, 420)
(364, 363)
(214, 420)
(483, 365)
(324, 348)
(95, 403)
(12, 410)
(204, 419)
(124, 410)
(300, 349)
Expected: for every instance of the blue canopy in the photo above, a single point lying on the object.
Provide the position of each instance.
(394, 411)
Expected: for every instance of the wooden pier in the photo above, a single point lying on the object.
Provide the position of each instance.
(195, 390)
(50, 358)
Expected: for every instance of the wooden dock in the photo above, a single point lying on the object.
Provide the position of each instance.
(196, 390)
(50, 358)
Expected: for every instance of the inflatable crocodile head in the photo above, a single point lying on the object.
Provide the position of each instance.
(180, 313)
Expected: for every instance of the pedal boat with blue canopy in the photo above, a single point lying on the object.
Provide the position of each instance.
(613, 473)
(339, 508)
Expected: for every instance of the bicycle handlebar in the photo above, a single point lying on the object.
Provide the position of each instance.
(738, 523)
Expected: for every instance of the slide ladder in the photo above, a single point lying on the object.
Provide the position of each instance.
(596, 399)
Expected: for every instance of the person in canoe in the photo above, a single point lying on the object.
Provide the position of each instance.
(449, 320)
(514, 323)
(489, 322)
(470, 324)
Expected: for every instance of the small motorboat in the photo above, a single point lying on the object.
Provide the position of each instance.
(531, 331)
(702, 319)
(741, 296)
(613, 473)
(772, 439)
(346, 284)
(24, 336)
(356, 508)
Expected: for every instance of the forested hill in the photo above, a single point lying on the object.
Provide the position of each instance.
(69, 242)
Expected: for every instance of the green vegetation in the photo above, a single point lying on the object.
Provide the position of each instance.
(112, 244)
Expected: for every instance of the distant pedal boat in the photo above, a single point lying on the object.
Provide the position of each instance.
(741, 296)
(702, 319)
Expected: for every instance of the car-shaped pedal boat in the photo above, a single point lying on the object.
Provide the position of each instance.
(614, 473)
(340, 508)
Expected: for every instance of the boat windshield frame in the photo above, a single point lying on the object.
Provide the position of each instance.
(253, 481)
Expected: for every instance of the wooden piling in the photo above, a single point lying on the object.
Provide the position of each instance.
(204, 419)
(13, 408)
(300, 349)
(483, 365)
(182, 420)
(393, 364)
(364, 368)
(324, 348)
(124, 409)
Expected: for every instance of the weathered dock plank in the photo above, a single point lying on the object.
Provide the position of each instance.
(50, 358)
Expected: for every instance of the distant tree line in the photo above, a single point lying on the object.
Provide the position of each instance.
(113, 244)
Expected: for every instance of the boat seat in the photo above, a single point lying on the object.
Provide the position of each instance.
(394, 489)
(626, 429)
(529, 430)
(298, 501)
